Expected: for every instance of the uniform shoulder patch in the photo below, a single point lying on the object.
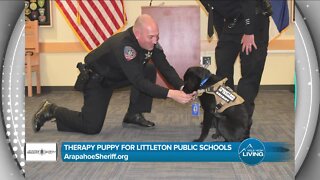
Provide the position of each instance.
(129, 53)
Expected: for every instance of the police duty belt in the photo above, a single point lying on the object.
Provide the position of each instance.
(224, 95)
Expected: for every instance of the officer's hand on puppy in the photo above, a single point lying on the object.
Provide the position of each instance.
(247, 42)
(195, 95)
(180, 96)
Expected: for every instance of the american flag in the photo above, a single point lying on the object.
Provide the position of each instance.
(93, 21)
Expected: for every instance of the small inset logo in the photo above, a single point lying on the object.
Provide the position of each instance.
(41, 152)
(251, 151)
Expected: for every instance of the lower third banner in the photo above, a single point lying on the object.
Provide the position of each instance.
(251, 151)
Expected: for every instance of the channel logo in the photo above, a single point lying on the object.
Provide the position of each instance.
(251, 151)
(41, 152)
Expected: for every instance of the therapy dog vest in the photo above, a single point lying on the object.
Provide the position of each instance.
(224, 95)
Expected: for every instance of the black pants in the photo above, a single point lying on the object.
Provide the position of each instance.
(252, 65)
(96, 100)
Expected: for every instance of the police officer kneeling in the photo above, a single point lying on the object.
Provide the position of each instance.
(120, 61)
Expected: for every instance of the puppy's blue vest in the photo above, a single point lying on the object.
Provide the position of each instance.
(224, 95)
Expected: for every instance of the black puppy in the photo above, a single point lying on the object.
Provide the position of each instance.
(233, 123)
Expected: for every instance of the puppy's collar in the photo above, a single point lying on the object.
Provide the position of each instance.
(204, 81)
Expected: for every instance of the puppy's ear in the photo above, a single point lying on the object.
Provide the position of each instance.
(191, 81)
(205, 73)
(201, 72)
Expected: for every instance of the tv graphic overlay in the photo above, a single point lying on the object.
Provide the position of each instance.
(41, 152)
(12, 90)
(307, 133)
(309, 148)
(251, 151)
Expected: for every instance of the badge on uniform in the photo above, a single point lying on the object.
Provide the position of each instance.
(148, 55)
(129, 53)
(195, 109)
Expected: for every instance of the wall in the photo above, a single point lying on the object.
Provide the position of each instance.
(58, 69)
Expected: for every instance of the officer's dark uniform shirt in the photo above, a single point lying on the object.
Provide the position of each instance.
(120, 58)
(230, 9)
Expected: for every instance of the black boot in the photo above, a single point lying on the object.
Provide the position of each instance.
(136, 119)
(44, 114)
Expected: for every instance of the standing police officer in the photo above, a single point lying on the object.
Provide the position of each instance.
(239, 22)
(121, 60)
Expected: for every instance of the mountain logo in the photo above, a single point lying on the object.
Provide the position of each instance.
(251, 151)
